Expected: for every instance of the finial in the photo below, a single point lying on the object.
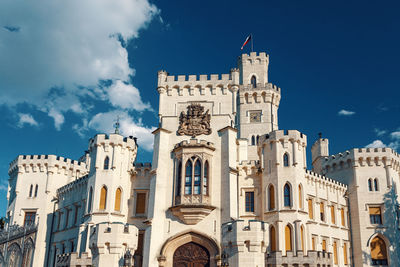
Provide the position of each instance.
(116, 125)
(320, 135)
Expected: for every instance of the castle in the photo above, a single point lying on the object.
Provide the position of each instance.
(226, 187)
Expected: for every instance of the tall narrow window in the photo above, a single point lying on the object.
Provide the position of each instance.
(369, 184)
(300, 197)
(140, 203)
(179, 179)
(253, 140)
(313, 243)
(89, 208)
(378, 251)
(342, 216)
(271, 192)
(197, 177)
(310, 209)
(76, 214)
(346, 261)
(288, 238)
(103, 198)
(335, 258)
(205, 178)
(376, 184)
(302, 237)
(324, 245)
(375, 215)
(106, 163)
(272, 238)
(30, 190)
(333, 218)
(286, 160)
(322, 211)
(249, 201)
(36, 190)
(117, 206)
(286, 195)
(188, 178)
(258, 139)
(254, 81)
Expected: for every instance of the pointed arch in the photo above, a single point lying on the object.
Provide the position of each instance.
(258, 139)
(271, 197)
(206, 178)
(36, 190)
(287, 195)
(197, 177)
(253, 81)
(118, 198)
(106, 163)
(272, 238)
(378, 251)
(188, 177)
(103, 198)
(30, 190)
(376, 188)
(288, 238)
(286, 160)
(90, 198)
(253, 140)
(369, 184)
(301, 206)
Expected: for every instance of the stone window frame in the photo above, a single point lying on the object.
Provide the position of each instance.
(135, 193)
(243, 201)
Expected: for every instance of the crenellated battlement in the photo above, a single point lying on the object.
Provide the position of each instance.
(285, 135)
(310, 175)
(254, 58)
(45, 163)
(193, 142)
(113, 140)
(73, 185)
(263, 93)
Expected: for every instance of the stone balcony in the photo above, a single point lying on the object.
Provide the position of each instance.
(312, 259)
(191, 209)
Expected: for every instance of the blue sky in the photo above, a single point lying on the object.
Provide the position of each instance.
(68, 70)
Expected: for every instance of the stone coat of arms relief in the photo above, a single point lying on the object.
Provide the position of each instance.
(195, 121)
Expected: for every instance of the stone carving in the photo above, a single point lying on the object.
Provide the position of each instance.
(195, 121)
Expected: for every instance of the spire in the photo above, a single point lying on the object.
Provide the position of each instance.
(116, 125)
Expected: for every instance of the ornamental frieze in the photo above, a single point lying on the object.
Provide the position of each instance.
(195, 121)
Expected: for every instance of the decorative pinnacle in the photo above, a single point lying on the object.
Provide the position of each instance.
(116, 125)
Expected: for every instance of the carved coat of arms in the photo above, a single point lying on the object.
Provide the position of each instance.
(195, 121)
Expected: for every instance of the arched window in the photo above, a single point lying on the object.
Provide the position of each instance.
(30, 190)
(288, 238)
(258, 139)
(369, 184)
(272, 238)
(118, 195)
(378, 251)
(36, 190)
(300, 197)
(89, 208)
(179, 179)
(106, 163)
(188, 177)
(205, 178)
(271, 197)
(286, 160)
(253, 140)
(103, 198)
(302, 237)
(287, 195)
(254, 81)
(376, 184)
(197, 177)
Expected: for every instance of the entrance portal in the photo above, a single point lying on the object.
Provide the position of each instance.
(191, 255)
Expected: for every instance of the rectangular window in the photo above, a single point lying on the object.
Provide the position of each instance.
(188, 185)
(333, 218)
(29, 218)
(342, 216)
(140, 203)
(59, 220)
(322, 211)
(76, 215)
(310, 209)
(313, 243)
(335, 258)
(249, 201)
(345, 253)
(67, 218)
(375, 215)
(324, 245)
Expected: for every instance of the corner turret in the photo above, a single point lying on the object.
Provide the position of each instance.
(319, 150)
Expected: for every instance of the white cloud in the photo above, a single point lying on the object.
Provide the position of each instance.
(376, 144)
(70, 46)
(379, 132)
(344, 112)
(126, 96)
(25, 118)
(395, 135)
(104, 122)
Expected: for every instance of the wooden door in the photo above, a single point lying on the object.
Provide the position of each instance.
(191, 255)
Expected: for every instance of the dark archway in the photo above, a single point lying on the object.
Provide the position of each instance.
(191, 255)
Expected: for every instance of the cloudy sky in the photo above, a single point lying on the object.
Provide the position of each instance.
(68, 69)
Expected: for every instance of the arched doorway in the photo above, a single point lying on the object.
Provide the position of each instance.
(191, 255)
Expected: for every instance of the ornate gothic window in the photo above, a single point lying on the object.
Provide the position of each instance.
(106, 163)
(118, 195)
(197, 178)
(254, 81)
(287, 195)
(103, 198)
(205, 178)
(188, 177)
(286, 160)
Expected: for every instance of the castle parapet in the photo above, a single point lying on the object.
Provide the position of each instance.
(73, 260)
(113, 140)
(315, 177)
(312, 259)
(285, 135)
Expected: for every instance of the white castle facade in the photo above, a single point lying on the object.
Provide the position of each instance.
(225, 187)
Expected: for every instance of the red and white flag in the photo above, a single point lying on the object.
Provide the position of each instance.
(245, 42)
